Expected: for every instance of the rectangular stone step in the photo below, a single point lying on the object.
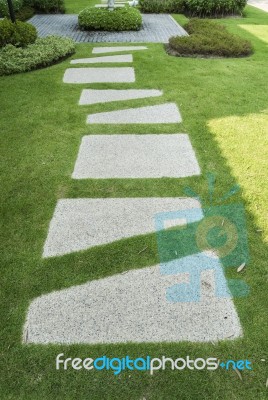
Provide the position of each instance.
(126, 58)
(135, 156)
(91, 96)
(99, 75)
(160, 114)
(100, 50)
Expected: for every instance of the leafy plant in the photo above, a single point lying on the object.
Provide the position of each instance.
(4, 11)
(121, 19)
(43, 52)
(161, 6)
(208, 38)
(18, 34)
(204, 8)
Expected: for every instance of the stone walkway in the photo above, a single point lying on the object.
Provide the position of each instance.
(261, 4)
(183, 299)
(156, 28)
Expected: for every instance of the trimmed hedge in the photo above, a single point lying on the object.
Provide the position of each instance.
(43, 52)
(47, 6)
(18, 34)
(161, 6)
(208, 38)
(205, 8)
(198, 8)
(120, 19)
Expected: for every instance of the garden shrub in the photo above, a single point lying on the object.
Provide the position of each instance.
(208, 38)
(4, 11)
(120, 19)
(47, 6)
(43, 52)
(24, 13)
(161, 6)
(17, 34)
(205, 8)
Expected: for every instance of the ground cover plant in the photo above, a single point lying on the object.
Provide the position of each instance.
(223, 105)
(120, 19)
(44, 52)
(208, 38)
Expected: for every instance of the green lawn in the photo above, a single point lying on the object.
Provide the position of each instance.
(74, 7)
(224, 108)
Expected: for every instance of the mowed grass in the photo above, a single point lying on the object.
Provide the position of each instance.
(74, 7)
(41, 128)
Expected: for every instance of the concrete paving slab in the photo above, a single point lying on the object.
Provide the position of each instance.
(126, 58)
(261, 4)
(136, 156)
(99, 75)
(131, 307)
(79, 224)
(91, 96)
(160, 114)
(100, 50)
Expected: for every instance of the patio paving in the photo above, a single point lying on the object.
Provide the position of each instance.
(156, 29)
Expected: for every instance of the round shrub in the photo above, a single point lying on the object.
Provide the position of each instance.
(161, 6)
(120, 19)
(43, 52)
(208, 38)
(18, 34)
(4, 11)
(204, 8)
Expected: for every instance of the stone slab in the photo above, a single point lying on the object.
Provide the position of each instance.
(132, 307)
(126, 58)
(135, 156)
(159, 114)
(261, 4)
(99, 75)
(92, 96)
(79, 224)
(117, 5)
(101, 50)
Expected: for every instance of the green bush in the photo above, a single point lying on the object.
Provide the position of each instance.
(161, 6)
(25, 13)
(205, 8)
(18, 34)
(4, 12)
(208, 38)
(47, 6)
(121, 19)
(43, 52)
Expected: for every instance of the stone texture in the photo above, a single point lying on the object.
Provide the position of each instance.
(135, 156)
(79, 224)
(98, 75)
(131, 307)
(91, 96)
(126, 58)
(156, 28)
(114, 49)
(160, 114)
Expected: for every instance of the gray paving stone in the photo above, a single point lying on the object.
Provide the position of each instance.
(91, 96)
(261, 4)
(132, 307)
(94, 75)
(156, 28)
(79, 224)
(160, 114)
(135, 156)
(126, 58)
(114, 49)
